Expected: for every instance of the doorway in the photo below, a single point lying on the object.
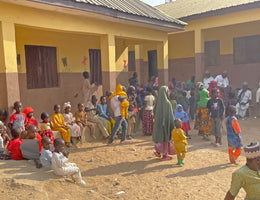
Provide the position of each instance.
(95, 66)
(152, 63)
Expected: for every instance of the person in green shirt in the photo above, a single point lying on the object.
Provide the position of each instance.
(248, 176)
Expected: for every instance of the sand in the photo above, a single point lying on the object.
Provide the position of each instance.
(132, 171)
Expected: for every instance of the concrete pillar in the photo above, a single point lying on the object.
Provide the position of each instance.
(108, 60)
(9, 64)
(162, 62)
(139, 63)
(199, 54)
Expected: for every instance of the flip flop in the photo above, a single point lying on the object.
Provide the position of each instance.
(166, 158)
(112, 143)
(124, 142)
(157, 154)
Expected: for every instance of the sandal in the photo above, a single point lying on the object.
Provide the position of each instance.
(124, 142)
(166, 158)
(157, 154)
(112, 143)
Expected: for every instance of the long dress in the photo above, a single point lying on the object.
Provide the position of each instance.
(75, 129)
(163, 124)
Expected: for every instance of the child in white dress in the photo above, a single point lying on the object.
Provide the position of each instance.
(62, 166)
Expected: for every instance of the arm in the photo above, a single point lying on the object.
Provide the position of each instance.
(60, 159)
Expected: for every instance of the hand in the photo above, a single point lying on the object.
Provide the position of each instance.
(238, 139)
(66, 153)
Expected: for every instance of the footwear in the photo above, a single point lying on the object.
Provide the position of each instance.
(207, 138)
(93, 137)
(182, 162)
(179, 161)
(112, 143)
(124, 142)
(218, 145)
(166, 158)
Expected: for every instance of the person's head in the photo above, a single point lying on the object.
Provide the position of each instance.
(16, 133)
(178, 123)
(32, 131)
(45, 117)
(131, 90)
(148, 91)
(3, 115)
(29, 112)
(201, 86)
(108, 93)
(124, 88)
(172, 96)
(24, 135)
(18, 107)
(214, 93)
(59, 145)
(80, 106)
(67, 107)
(231, 111)
(131, 107)
(213, 84)
(135, 75)
(252, 153)
(57, 108)
(245, 86)
(46, 143)
(85, 75)
(103, 100)
(207, 74)
(224, 74)
(193, 79)
(184, 93)
(94, 99)
(179, 108)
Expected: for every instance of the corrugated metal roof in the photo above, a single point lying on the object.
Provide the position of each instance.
(134, 7)
(183, 8)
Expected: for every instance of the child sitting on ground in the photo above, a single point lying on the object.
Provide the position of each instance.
(184, 117)
(14, 144)
(17, 119)
(46, 154)
(81, 120)
(29, 120)
(180, 142)
(45, 127)
(233, 135)
(3, 136)
(123, 99)
(31, 145)
(60, 163)
(60, 125)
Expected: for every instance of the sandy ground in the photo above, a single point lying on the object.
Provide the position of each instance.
(133, 169)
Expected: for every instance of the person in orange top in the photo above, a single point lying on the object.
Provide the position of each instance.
(123, 99)
(233, 135)
(180, 141)
(60, 125)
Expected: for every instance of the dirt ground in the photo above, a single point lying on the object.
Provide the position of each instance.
(132, 170)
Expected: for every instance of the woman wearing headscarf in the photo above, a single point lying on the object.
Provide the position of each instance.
(212, 85)
(163, 125)
(199, 86)
(202, 115)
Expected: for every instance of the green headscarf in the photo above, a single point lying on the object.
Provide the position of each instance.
(203, 98)
(164, 119)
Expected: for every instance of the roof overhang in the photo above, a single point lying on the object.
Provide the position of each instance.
(222, 11)
(101, 13)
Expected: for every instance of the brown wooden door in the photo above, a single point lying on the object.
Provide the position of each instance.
(95, 66)
(152, 63)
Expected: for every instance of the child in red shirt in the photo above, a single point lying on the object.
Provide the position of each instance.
(30, 120)
(14, 145)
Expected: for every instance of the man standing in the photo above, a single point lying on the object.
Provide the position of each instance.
(222, 80)
(248, 176)
(207, 79)
(133, 81)
(115, 105)
(244, 98)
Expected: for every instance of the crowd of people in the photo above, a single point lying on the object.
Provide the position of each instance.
(165, 114)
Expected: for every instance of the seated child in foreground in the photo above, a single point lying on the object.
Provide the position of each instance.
(46, 154)
(123, 99)
(45, 126)
(60, 163)
(14, 144)
(180, 142)
(30, 146)
(3, 136)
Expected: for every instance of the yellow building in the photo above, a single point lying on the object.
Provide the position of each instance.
(45, 45)
(220, 35)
